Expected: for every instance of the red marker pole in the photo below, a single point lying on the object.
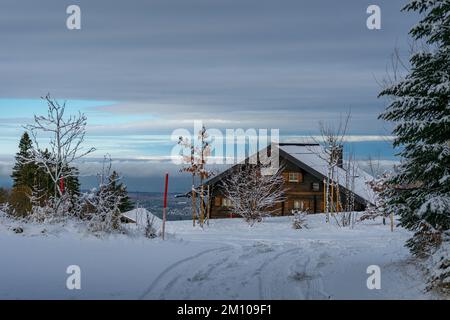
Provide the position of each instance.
(165, 206)
(61, 184)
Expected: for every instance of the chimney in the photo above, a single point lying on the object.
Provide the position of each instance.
(340, 156)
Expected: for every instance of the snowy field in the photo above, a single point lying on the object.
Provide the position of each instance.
(227, 260)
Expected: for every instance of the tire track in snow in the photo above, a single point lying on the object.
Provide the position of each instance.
(199, 276)
(311, 278)
(264, 292)
(314, 282)
(175, 265)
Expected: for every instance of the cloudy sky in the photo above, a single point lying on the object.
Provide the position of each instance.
(140, 69)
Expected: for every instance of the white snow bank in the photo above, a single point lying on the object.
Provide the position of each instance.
(227, 260)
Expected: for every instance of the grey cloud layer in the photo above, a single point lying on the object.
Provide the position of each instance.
(218, 58)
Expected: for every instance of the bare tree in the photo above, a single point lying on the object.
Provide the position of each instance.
(65, 136)
(347, 217)
(253, 195)
(397, 68)
(196, 165)
(332, 139)
(374, 166)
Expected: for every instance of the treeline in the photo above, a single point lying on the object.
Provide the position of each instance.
(31, 181)
(32, 185)
(46, 184)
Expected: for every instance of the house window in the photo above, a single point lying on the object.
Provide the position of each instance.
(226, 202)
(315, 186)
(293, 177)
(217, 201)
(301, 205)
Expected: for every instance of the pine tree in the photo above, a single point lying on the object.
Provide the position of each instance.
(43, 184)
(420, 109)
(29, 178)
(120, 189)
(71, 183)
(23, 177)
(24, 171)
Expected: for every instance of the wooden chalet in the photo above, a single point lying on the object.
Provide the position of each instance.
(304, 171)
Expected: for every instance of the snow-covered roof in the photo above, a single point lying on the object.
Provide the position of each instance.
(139, 216)
(314, 157)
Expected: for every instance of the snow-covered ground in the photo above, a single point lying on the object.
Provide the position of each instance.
(227, 260)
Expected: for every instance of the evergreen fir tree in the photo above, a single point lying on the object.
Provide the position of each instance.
(43, 185)
(121, 190)
(126, 203)
(23, 171)
(71, 183)
(23, 177)
(420, 109)
(29, 178)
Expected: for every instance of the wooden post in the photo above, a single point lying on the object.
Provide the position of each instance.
(202, 207)
(165, 206)
(324, 196)
(332, 197)
(194, 206)
(208, 207)
(338, 198)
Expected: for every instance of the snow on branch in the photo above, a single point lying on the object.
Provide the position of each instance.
(65, 136)
(104, 203)
(252, 194)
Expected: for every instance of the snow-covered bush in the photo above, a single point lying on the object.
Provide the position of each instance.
(40, 214)
(53, 211)
(104, 213)
(150, 230)
(299, 219)
(6, 208)
(103, 204)
(252, 194)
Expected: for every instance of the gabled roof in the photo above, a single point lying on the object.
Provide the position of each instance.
(311, 158)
